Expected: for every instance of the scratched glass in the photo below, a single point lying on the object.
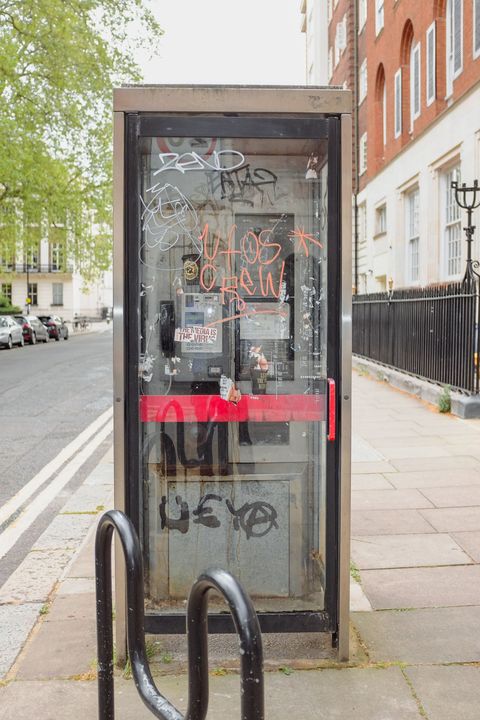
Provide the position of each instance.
(232, 365)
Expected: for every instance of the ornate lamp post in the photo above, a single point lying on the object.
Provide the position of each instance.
(468, 198)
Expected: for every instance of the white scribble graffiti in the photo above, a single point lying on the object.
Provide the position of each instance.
(188, 161)
(167, 216)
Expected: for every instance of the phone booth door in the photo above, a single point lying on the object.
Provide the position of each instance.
(232, 331)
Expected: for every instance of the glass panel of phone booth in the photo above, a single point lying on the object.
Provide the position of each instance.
(232, 379)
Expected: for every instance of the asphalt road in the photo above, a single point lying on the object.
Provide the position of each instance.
(48, 395)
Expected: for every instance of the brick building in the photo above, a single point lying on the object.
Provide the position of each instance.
(414, 69)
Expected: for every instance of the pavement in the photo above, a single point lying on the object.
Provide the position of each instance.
(415, 603)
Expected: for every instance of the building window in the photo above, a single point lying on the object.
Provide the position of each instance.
(363, 81)
(381, 220)
(7, 258)
(476, 28)
(398, 102)
(32, 293)
(384, 112)
(452, 226)
(57, 293)
(57, 257)
(379, 16)
(414, 83)
(340, 39)
(362, 160)
(413, 235)
(431, 62)
(362, 14)
(30, 257)
(454, 42)
(6, 291)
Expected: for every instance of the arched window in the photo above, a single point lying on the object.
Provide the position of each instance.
(380, 113)
(402, 82)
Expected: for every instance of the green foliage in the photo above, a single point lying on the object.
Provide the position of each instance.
(286, 670)
(445, 400)
(6, 308)
(59, 61)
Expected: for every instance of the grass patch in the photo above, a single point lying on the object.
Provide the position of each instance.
(355, 572)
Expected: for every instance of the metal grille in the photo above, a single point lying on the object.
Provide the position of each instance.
(429, 332)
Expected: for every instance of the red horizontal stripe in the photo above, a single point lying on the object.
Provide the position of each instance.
(255, 408)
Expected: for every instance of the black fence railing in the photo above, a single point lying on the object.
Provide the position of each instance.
(431, 332)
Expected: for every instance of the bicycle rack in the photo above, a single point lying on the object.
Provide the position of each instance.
(241, 608)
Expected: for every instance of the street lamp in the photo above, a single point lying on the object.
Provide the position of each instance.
(466, 198)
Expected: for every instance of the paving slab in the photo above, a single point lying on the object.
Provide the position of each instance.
(459, 496)
(453, 519)
(422, 452)
(433, 478)
(16, 622)
(59, 649)
(389, 500)
(389, 522)
(35, 578)
(379, 466)
(448, 693)
(470, 542)
(409, 441)
(458, 462)
(64, 531)
(373, 481)
(422, 587)
(433, 635)
(399, 551)
(363, 694)
(71, 607)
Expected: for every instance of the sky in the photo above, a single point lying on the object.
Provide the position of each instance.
(255, 42)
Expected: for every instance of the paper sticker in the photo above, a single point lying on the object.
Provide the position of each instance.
(196, 334)
(228, 390)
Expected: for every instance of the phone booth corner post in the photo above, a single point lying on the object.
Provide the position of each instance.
(232, 348)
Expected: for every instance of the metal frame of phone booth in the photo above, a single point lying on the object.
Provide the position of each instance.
(237, 112)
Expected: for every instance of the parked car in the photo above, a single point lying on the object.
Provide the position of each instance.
(33, 329)
(56, 326)
(10, 332)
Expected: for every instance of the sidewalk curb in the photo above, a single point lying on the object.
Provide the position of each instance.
(35, 583)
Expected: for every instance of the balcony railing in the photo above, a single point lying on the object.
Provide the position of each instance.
(38, 268)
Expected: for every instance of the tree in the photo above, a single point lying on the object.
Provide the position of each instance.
(59, 60)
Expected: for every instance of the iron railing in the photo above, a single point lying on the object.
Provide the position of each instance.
(239, 603)
(430, 332)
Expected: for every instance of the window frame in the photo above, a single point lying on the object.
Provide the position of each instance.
(362, 14)
(431, 56)
(397, 83)
(32, 293)
(6, 290)
(379, 11)
(415, 87)
(412, 234)
(55, 301)
(363, 81)
(450, 46)
(362, 155)
(475, 39)
(381, 219)
(447, 224)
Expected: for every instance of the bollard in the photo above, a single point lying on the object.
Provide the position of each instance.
(241, 608)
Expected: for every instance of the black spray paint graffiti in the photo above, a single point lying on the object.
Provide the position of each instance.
(243, 184)
(256, 519)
